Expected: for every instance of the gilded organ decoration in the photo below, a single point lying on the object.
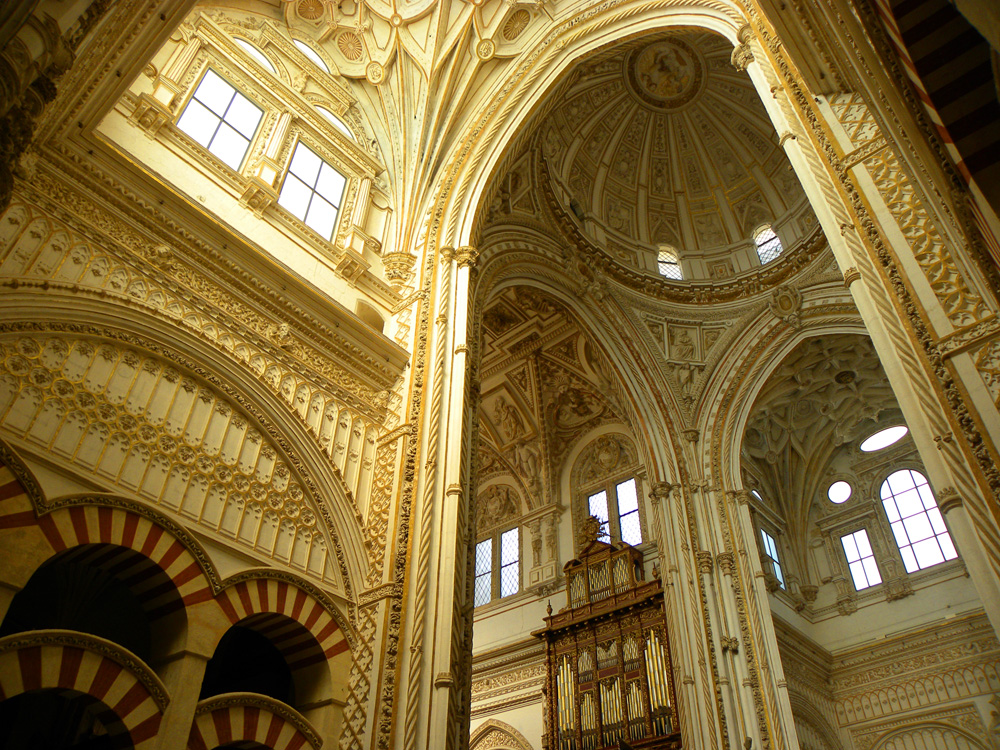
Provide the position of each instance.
(609, 676)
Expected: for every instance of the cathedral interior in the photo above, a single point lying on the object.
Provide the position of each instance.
(500, 374)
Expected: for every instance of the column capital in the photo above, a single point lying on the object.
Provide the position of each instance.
(948, 499)
(662, 491)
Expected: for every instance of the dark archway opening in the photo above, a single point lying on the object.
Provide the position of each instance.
(89, 589)
(60, 719)
(247, 662)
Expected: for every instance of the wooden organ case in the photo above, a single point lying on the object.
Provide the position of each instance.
(608, 678)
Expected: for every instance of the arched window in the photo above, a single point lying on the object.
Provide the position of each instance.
(256, 54)
(335, 121)
(767, 242)
(917, 524)
(312, 55)
(667, 262)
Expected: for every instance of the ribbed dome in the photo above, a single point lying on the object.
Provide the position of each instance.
(663, 141)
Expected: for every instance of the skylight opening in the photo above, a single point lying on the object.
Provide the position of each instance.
(768, 245)
(757, 495)
(883, 438)
(839, 492)
(312, 191)
(256, 54)
(221, 119)
(312, 54)
(335, 121)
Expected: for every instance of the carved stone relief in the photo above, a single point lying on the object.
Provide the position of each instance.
(139, 423)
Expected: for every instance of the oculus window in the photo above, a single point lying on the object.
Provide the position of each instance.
(312, 191)
(221, 119)
(916, 522)
(861, 560)
(883, 438)
(771, 552)
(768, 245)
(498, 567)
(624, 523)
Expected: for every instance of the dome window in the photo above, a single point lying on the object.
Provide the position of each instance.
(883, 438)
(768, 245)
(839, 492)
(668, 264)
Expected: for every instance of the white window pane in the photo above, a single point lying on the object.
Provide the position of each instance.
(890, 509)
(198, 122)
(335, 121)
(295, 196)
(937, 522)
(215, 93)
(331, 184)
(305, 165)
(900, 533)
(509, 579)
(598, 505)
(850, 548)
(909, 503)
(900, 481)
(928, 552)
(627, 499)
(256, 54)
(918, 528)
(484, 556)
(244, 115)
(631, 529)
(313, 56)
(229, 146)
(778, 575)
(858, 574)
(926, 496)
(909, 561)
(483, 593)
(322, 217)
(864, 546)
(947, 547)
(871, 571)
(508, 547)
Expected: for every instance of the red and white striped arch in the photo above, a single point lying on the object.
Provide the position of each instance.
(273, 608)
(252, 724)
(58, 660)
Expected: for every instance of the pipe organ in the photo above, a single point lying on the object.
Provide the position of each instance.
(609, 680)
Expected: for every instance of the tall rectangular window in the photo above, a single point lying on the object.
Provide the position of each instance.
(221, 119)
(498, 567)
(510, 578)
(484, 572)
(312, 191)
(861, 560)
(771, 550)
(598, 505)
(628, 512)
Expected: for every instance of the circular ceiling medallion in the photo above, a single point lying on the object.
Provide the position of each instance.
(310, 10)
(667, 74)
(486, 49)
(350, 45)
(375, 73)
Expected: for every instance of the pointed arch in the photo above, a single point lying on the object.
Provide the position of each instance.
(494, 733)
